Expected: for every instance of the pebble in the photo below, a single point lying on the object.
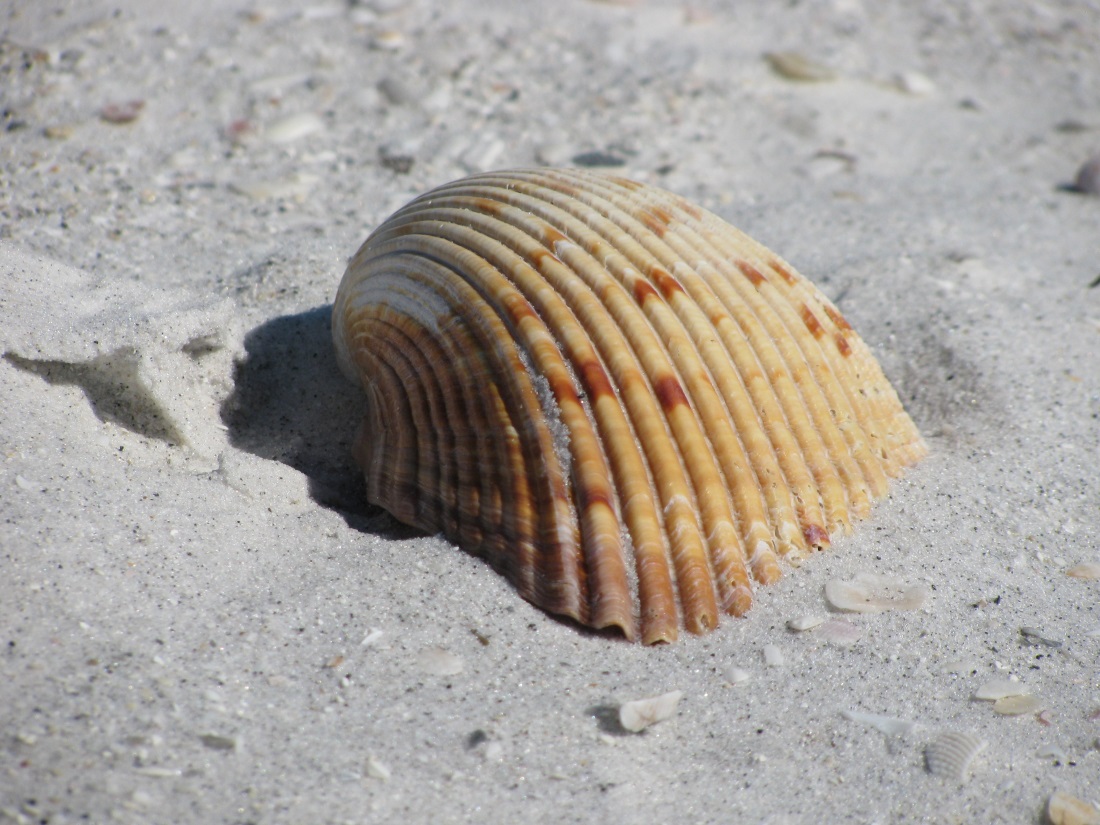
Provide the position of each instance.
(218, 743)
(1087, 181)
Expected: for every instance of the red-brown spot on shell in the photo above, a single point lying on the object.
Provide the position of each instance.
(656, 220)
(669, 392)
(783, 272)
(842, 345)
(551, 236)
(811, 322)
(595, 379)
(668, 285)
(643, 291)
(750, 272)
(837, 318)
(488, 206)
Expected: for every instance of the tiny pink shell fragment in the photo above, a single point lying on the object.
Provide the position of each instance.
(122, 112)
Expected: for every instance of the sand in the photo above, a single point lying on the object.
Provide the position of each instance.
(201, 619)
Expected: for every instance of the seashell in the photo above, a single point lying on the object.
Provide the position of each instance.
(1000, 689)
(950, 754)
(628, 407)
(804, 623)
(1065, 809)
(439, 662)
(1085, 570)
(797, 66)
(737, 675)
(639, 714)
(868, 593)
(1018, 705)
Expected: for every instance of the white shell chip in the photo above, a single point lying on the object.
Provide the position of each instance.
(869, 593)
(639, 714)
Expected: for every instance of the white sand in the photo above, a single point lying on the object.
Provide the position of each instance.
(201, 621)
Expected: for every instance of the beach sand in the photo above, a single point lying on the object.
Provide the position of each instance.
(201, 618)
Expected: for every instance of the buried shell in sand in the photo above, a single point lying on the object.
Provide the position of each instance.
(628, 407)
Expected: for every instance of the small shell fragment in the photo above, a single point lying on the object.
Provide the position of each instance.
(292, 128)
(1018, 705)
(1085, 570)
(1064, 809)
(868, 593)
(950, 754)
(376, 769)
(840, 632)
(439, 662)
(889, 725)
(639, 714)
(736, 675)
(803, 623)
(773, 656)
(1000, 689)
(796, 66)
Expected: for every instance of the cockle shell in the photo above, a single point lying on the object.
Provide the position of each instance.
(624, 404)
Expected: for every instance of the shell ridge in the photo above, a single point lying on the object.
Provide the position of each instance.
(624, 404)
(688, 576)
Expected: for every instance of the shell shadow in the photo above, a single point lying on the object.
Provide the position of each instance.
(290, 403)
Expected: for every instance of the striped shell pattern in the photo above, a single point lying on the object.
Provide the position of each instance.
(628, 407)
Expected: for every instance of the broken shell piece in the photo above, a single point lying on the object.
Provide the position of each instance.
(1064, 809)
(1085, 570)
(641, 713)
(950, 754)
(1018, 705)
(1000, 689)
(868, 593)
(621, 402)
(290, 129)
(773, 656)
(796, 66)
(439, 662)
(805, 623)
(736, 675)
(840, 632)
(376, 769)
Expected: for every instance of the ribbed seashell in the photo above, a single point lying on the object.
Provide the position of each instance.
(950, 754)
(624, 404)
